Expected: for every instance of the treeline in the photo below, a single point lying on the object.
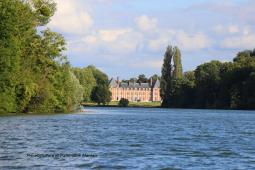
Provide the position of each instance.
(143, 79)
(35, 76)
(95, 85)
(223, 85)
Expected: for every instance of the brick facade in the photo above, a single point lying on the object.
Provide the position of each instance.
(143, 92)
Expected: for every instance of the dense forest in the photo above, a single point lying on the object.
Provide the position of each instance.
(35, 76)
(224, 85)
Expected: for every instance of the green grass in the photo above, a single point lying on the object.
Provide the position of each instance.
(131, 104)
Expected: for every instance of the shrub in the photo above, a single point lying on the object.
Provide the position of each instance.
(123, 102)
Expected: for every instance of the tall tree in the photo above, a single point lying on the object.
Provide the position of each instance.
(177, 72)
(166, 78)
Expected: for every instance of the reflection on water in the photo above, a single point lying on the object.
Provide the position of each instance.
(115, 138)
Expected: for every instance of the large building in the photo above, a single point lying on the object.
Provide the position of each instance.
(133, 91)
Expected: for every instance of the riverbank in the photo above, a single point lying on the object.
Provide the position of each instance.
(30, 114)
(35, 114)
(131, 104)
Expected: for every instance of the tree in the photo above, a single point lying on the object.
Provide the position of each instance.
(123, 102)
(101, 78)
(184, 91)
(155, 77)
(101, 94)
(207, 77)
(16, 25)
(87, 80)
(177, 72)
(142, 78)
(166, 78)
(34, 74)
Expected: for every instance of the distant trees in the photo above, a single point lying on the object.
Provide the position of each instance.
(101, 93)
(210, 85)
(207, 80)
(87, 81)
(143, 79)
(155, 77)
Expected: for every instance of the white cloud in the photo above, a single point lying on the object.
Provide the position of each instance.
(145, 23)
(231, 29)
(218, 29)
(192, 42)
(126, 43)
(159, 43)
(241, 41)
(110, 41)
(182, 39)
(165, 37)
(71, 17)
(112, 35)
(90, 39)
(153, 64)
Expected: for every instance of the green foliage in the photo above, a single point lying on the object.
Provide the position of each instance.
(87, 80)
(166, 78)
(142, 78)
(207, 78)
(14, 26)
(184, 91)
(34, 75)
(101, 94)
(177, 72)
(101, 78)
(123, 102)
(43, 10)
(155, 77)
(217, 85)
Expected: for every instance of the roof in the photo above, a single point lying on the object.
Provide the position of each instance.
(134, 85)
(114, 83)
(157, 84)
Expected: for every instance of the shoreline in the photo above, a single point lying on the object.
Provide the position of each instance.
(40, 114)
(113, 106)
(159, 107)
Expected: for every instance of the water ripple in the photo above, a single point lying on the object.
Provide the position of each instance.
(164, 139)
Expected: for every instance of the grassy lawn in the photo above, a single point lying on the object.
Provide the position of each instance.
(131, 104)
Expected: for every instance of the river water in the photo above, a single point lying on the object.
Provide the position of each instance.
(129, 138)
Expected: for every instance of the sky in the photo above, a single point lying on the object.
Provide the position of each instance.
(126, 38)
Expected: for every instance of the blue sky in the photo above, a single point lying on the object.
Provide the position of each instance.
(128, 37)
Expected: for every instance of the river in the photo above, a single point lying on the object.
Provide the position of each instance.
(129, 138)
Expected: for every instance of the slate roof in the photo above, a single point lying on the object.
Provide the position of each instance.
(157, 84)
(114, 83)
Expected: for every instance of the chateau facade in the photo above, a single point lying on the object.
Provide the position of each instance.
(133, 91)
